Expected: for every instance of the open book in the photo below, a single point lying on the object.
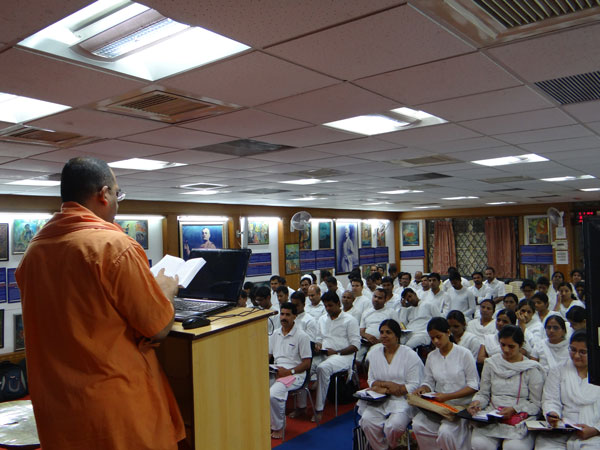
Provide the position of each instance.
(542, 425)
(369, 394)
(186, 270)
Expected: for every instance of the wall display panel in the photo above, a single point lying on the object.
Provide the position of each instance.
(366, 234)
(324, 235)
(14, 294)
(308, 260)
(208, 235)
(18, 333)
(537, 230)
(325, 259)
(259, 265)
(1, 328)
(410, 234)
(382, 255)
(292, 258)
(136, 229)
(3, 242)
(346, 246)
(366, 256)
(258, 232)
(23, 232)
(3, 284)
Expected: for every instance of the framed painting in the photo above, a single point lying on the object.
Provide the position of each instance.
(3, 242)
(381, 229)
(366, 238)
(197, 235)
(346, 246)
(137, 229)
(534, 271)
(410, 234)
(537, 230)
(23, 232)
(258, 233)
(19, 334)
(324, 235)
(292, 258)
(306, 238)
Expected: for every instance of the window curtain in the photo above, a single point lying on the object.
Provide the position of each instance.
(444, 250)
(501, 246)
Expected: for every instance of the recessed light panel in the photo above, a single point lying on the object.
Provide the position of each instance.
(368, 125)
(590, 189)
(143, 164)
(130, 38)
(506, 160)
(17, 109)
(569, 178)
(35, 182)
(459, 198)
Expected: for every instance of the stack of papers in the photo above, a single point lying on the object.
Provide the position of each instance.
(429, 395)
(542, 425)
(368, 393)
(489, 416)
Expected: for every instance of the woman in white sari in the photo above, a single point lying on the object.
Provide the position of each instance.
(485, 324)
(566, 299)
(394, 369)
(568, 397)
(554, 350)
(512, 384)
(456, 320)
(451, 373)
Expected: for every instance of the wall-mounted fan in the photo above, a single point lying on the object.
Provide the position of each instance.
(556, 218)
(300, 221)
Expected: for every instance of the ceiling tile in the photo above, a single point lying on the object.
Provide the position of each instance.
(441, 80)
(337, 102)
(246, 124)
(291, 156)
(430, 134)
(511, 123)
(461, 144)
(391, 40)
(34, 165)
(569, 52)
(238, 163)
(178, 137)
(395, 154)
(584, 112)
(193, 157)
(354, 146)
(307, 137)
(22, 150)
(545, 134)
(63, 155)
(249, 80)
(96, 123)
(488, 104)
(123, 149)
(563, 145)
(72, 85)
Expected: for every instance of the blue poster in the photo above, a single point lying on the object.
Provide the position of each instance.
(382, 255)
(366, 256)
(259, 264)
(308, 260)
(2, 284)
(14, 295)
(325, 259)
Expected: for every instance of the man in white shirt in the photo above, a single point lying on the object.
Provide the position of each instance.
(349, 306)
(447, 285)
(415, 284)
(424, 288)
(435, 295)
(392, 300)
(334, 286)
(305, 282)
(289, 348)
(304, 321)
(459, 298)
(479, 290)
(371, 284)
(370, 321)
(497, 287)
(405, 280)
(359, 297)
(324, 274)
(338, 340)
(415, 315)
(315, 307)
(262, 297)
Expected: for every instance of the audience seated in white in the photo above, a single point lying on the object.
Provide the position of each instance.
(540, 301)
(497, 287)
(394, 370)
(459, 297)
(370, 321)
(566, 299)
(479, 290)
(289, 348)
(529, 322)
(414, 315)
(262, 297)
(315, 307)
(458, 327)
(451, 373)
(514, 382)
(491, 342)
(553, 351)
(434, 295)
(349, 307)
(304, 321)
(361, 300)
(485, 324)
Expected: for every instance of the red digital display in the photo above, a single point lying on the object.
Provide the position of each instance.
(581, 214)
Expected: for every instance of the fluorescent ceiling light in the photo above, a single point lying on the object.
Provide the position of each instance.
(305, 199)
(205, 192)
(368, 125)
(569, 178)
(35, 182)
(143, 164)
(459, 198)
(400, 191)
(532, 157)
(377, 203)
(130, 38)
(203, 218)
(426, 207)
(17, 109)
(413, 113)
(307, 181)
(501, 203)
(590, 189)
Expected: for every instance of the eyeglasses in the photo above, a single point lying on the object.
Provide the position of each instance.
(575, 351)
(120, 193)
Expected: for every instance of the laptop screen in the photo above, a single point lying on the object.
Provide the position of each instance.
(221, 278)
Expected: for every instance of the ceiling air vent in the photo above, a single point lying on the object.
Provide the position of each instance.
(425, 161)
(242, 147)
(31, 135)
(495, 191)
(513, 179)
(318, 173)
(421, 176)
(162, 106)
(264, 191)
(573, 89)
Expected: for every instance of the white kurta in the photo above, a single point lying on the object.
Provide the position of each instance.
(471, 343)
(462, 300)
(564, 309)
(416, 318)
(474, 326)
(550, 355)
(372, 318)
(308, 324)
(575, 400)
(497, 287)
(384, 423)
(315, 311)
(445, 374)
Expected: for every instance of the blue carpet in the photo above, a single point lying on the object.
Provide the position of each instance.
(336, 433)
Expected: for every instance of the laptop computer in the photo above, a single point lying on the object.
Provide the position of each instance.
(216, 287)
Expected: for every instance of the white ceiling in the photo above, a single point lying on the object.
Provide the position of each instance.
(313, 62)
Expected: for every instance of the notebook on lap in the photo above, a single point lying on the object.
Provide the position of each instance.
(216, 287)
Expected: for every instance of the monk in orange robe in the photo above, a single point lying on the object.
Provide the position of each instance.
(92, 314)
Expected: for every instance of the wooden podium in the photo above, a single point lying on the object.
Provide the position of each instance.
(220, 377)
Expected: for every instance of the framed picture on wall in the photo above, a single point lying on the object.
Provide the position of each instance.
(137, 229)
(258, 232)
(537, 230)
(23, 232)
(534, 271)
(381, 229)
(324, 235)
(1, 328)
(305, 238)
(19, 335)
(292, 258)
(196, 235)
(3, 242)
(346, 246)
(410, 234)
(366, 238)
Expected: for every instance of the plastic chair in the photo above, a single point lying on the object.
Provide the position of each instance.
(294, 393)
(339, 375)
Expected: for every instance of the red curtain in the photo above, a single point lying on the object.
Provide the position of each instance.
(444, 250)
(501, 246)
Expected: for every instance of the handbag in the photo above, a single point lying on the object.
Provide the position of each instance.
(516, 418)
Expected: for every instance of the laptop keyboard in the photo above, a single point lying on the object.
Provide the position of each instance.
(187, 305)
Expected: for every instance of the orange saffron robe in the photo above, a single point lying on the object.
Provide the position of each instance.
(89, 304)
